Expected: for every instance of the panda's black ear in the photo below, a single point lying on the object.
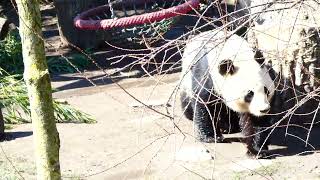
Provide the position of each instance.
(258, 56)
(226, 67)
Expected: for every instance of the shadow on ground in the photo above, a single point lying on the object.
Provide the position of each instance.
(9, 136)
(128, 67)
(290, 141)
(296, 141)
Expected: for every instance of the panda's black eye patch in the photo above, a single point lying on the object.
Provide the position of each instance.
(248, 97)
(226, 67)
(266, 91)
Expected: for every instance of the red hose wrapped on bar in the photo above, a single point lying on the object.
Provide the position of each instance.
(82, 22)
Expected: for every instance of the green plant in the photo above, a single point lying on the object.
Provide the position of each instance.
(14, 99)
(12, 62)
(13, 94)
(65, 65)
(11, 53)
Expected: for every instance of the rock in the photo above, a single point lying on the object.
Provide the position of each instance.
(193, 154)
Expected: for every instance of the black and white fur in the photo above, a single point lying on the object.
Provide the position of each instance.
(223, 78)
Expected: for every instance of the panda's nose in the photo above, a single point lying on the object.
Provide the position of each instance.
(265, 110)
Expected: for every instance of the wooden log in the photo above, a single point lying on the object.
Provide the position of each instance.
(66, 12)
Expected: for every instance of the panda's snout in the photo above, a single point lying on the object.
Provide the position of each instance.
(265, 111)
(266, 108)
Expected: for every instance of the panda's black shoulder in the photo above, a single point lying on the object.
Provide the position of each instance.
(201, 77)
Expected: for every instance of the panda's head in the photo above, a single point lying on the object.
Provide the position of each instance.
(246, 86)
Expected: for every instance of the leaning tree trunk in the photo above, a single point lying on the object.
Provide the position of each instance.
(36, 76)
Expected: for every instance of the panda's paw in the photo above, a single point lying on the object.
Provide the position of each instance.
(211, 139)
(263, 154)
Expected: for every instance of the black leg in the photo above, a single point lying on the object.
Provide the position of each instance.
(256, 133)
(228, 121)
(186, 105)
(203, 124)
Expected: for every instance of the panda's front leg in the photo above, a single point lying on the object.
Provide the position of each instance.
(255, 130)
(203, 124)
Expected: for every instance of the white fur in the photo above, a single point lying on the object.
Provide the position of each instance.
(232, 88)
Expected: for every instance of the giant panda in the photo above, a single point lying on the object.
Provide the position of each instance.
(223, 77)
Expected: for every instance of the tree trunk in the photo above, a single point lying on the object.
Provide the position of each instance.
(67, 10)
(36, 76)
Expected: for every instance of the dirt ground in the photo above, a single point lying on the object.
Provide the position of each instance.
(130, 141)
